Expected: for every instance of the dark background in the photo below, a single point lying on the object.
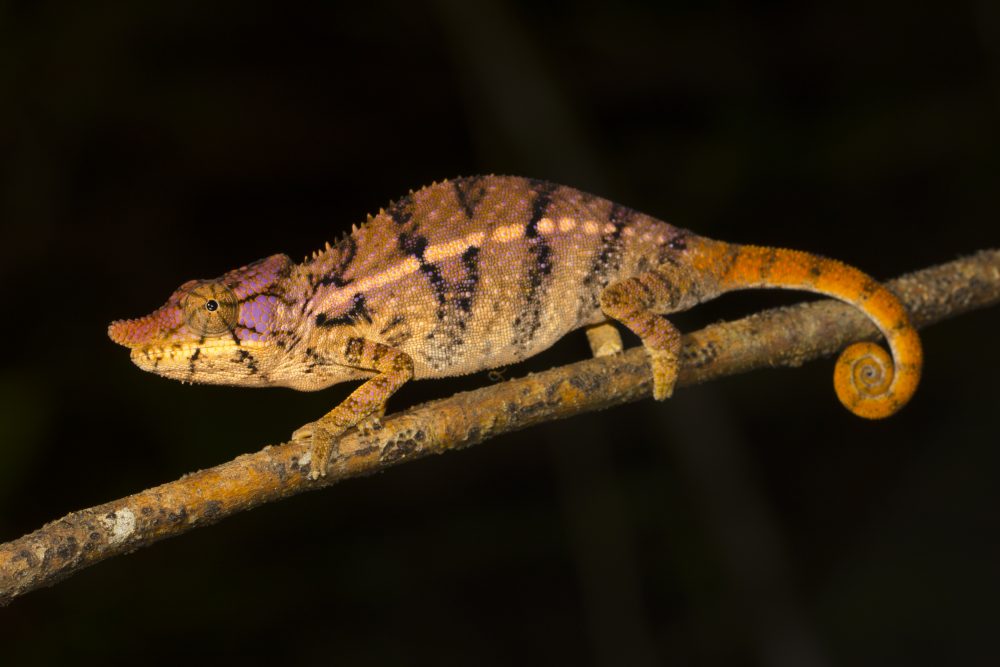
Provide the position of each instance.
(749, 522)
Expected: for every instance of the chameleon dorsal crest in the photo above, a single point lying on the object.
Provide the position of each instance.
(478, 273)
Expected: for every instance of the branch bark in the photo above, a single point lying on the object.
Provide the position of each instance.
(780, 337)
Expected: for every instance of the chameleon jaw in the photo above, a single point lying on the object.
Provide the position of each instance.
(211, 362)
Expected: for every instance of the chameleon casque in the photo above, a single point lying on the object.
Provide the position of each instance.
(481, 272)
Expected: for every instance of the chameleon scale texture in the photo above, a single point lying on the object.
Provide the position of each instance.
(480, 272)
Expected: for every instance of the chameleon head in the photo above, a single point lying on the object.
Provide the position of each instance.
(213, 331)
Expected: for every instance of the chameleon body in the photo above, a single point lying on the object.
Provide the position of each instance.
(481, 272)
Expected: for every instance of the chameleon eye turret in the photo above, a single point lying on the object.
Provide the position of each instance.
(210, 308)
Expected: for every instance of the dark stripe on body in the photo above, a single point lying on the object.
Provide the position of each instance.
(469, 192)
(530, 319)
(391, 324)
(347, 249)
(607, 262)
(358, 311)
(468, 285)
(401, 210)
(447, 336)
(395, 332)
(415, 245)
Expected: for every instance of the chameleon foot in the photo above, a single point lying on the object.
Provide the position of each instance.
(665, 364)
(371, 424)
(320, 443)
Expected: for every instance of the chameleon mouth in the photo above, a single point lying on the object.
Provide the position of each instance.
(179, 360)
(173, 351)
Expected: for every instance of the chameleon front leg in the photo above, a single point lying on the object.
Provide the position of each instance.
(393, 367)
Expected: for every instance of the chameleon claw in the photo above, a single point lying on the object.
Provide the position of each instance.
(665, 365)
(319, 441)
(371, 424)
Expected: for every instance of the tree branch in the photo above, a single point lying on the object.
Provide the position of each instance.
(780, 337)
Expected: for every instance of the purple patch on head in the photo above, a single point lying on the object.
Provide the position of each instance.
(248, 334)
(258, 313)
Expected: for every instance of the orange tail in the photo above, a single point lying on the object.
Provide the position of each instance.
(866, 380)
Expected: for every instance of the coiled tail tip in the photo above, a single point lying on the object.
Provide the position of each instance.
(870, 385)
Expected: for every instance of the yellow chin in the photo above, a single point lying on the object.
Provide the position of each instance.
(212, 362)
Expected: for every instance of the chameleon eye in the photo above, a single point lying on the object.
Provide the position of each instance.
(210, 308)
(677, 243)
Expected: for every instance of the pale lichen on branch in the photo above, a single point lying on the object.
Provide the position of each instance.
(781, 337)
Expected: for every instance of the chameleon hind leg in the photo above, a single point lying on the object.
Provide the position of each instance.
(637, 303)
(365, 404)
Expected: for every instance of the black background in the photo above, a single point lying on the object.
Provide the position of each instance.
(749, 522)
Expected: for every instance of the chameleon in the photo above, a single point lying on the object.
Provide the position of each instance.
(481, 272)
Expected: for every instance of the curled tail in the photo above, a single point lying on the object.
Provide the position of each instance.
(868, 382)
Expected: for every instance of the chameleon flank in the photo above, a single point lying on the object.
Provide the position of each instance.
(480, 272)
